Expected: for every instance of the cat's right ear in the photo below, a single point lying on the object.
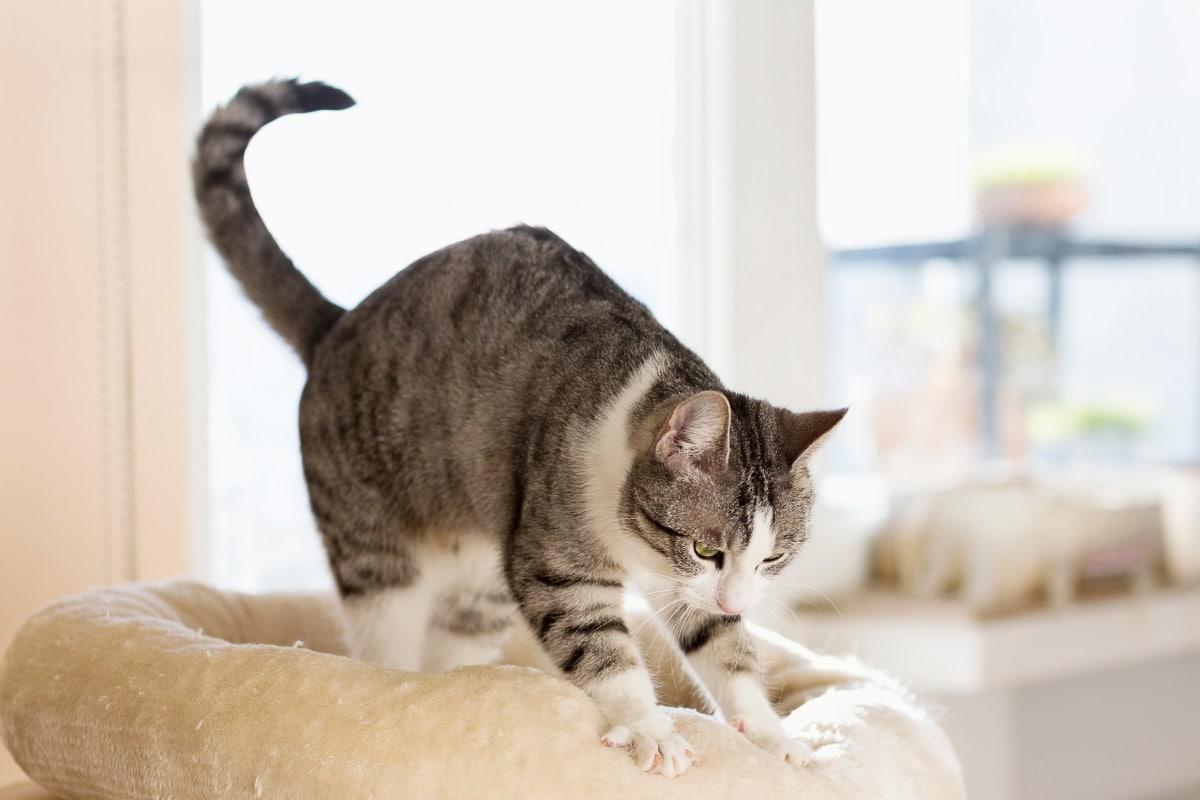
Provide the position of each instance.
(696, 435)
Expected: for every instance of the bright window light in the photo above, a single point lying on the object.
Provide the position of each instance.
(471, 116)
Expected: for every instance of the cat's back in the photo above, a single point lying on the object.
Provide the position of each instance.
(525, 271)
(503, 292)
(448, 372)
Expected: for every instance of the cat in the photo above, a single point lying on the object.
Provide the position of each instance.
(500, 433)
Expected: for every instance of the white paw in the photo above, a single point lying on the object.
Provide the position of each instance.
(770, 736)
(653, 745)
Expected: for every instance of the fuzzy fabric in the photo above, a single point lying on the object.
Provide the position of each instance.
(177, 690)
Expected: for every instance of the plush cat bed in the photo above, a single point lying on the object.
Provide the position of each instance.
(179, 690)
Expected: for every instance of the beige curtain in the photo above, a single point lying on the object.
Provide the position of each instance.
(99, 308)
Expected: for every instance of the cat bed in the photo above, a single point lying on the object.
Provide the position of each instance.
(179, 690)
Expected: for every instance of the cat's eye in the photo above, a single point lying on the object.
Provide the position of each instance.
(704, 551)
(773, 557)
(665, 529)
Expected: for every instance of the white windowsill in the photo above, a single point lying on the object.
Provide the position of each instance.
(939, 646)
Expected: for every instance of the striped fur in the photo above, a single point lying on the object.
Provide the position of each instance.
(292, 305)
(500, 435)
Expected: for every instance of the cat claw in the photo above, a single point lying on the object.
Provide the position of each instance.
(653, 749)
(617, 737)
(775, 742)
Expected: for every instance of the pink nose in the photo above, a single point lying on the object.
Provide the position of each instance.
(733, 595)
(731, 607)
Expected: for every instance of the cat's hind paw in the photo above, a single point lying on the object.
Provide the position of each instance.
(775, 741)
(654, 747)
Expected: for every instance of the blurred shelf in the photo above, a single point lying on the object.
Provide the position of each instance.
(1052, 246)
(1015, 243)
(942, 646)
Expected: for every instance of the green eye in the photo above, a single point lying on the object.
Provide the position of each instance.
(704, 551)
(774, 557)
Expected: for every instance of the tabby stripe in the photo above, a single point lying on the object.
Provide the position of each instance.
(746, 665)
(259, 102)
(216, 176)
(346, 591)
(547, 623)
(702, 635)
(563, 581)
(223, 178)
(234, 130)
(467, 625)
(592, 609)
(653, 543)
(659, 525)
(572, 663)
(609, 663)
(598, 626)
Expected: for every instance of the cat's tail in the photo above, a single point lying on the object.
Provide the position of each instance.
(294, 307)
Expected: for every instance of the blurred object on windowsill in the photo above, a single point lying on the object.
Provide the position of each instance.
(1181, 525)
(918, 414)
(1029, 185)
(1005, 544)
(1087, 432)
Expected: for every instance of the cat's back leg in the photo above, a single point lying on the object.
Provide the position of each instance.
(375, 558)
(387, 626)
(473, 612)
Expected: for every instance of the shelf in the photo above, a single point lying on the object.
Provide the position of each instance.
(1015, 243)
(942, 647)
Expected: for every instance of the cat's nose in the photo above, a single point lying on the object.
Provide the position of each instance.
(733, 603)
(733, 593)
(733, 609)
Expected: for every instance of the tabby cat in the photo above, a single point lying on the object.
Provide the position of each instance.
(500, 433)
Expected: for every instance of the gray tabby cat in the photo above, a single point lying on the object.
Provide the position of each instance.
(499, 429)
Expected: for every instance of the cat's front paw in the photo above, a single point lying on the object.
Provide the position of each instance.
(770, 736)
(653, 745)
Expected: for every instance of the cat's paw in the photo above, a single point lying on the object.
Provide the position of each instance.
(771, 736)
(653, 745)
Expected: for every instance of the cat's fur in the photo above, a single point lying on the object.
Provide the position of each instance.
(499, 429)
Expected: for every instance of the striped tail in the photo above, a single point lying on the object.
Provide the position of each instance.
(294, 307)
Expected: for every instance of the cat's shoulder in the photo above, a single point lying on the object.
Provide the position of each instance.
(538, 234)
(543, 244)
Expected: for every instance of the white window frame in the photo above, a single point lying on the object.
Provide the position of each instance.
(752, 262)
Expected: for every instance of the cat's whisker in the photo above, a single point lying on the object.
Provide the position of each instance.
(809, 587)
(782, 627)
(656, 613)
(655, 592)
(689, 613)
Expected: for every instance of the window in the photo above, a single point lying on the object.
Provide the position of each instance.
(1014, 273)
(571, 126)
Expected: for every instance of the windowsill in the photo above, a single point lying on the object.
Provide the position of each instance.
(941, 646)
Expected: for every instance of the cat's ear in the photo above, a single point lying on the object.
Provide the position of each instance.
(696, 435)
(802, 434)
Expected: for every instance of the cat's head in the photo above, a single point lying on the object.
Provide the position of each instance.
(720, 494)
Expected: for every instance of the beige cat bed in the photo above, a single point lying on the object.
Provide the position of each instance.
(176, 690)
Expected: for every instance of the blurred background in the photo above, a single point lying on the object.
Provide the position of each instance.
(972, 221)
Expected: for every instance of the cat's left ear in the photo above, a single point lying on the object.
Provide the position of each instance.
(803, 433)
(696, 435)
